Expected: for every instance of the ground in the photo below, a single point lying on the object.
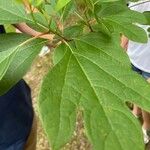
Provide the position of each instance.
(34, 78)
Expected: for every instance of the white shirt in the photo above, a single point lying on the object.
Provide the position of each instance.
(138, 53)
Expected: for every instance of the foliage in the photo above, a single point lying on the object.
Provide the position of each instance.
(91, 72)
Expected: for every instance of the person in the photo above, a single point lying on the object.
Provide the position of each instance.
(139, 55)
(17, 125)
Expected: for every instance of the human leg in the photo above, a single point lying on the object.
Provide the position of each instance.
(146, 120)
(136, 110)
(146, 115)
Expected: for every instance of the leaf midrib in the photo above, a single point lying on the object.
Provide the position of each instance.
(59, 124)
(74, 54)
(15, 50)
(112, 129)
(95, 93)
(5, 70)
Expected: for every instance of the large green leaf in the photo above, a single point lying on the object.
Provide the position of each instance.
(93, 74)
(16, 58)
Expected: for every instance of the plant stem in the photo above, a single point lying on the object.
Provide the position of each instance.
(88, 23)
(85, 21)
(58, 34)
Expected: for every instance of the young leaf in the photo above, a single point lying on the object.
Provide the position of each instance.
(93, 75)
(16, 58)
(61, 3)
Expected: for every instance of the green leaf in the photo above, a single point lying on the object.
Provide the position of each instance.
(59, 128)
(119, 18)
(73, 31)
(147, 15)
(11, 12)
(94, 75)
(131, 31)
(61, 3)
(5, 60)
(68, 9)
(41, 24)
(90, 4)
(50, 9)
(9, 28)
(36, 3)
(121, 13)
(16, 58)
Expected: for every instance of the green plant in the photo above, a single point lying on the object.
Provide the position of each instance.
(91, 72)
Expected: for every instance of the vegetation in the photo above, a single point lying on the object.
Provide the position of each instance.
(91, 72)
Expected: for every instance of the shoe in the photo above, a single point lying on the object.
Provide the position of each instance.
(146, 135)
